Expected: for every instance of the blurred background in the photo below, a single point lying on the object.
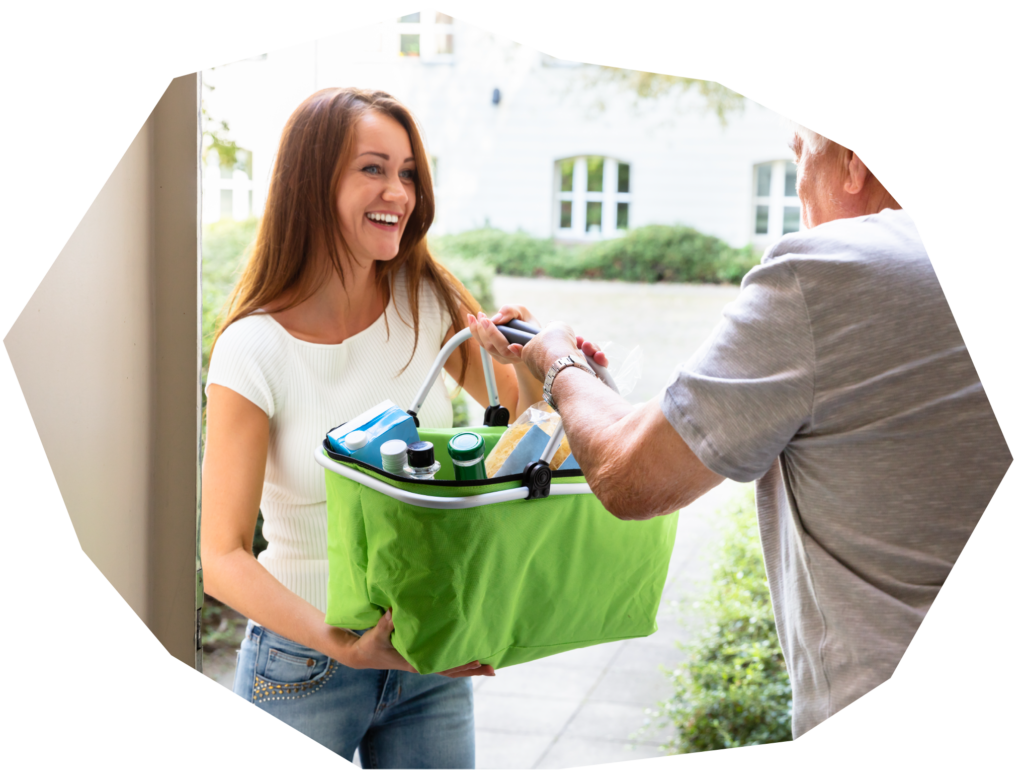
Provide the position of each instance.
(628, 204)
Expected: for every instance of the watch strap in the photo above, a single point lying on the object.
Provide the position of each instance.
(557, 367)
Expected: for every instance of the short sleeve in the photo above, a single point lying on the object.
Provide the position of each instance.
(750, 387)
(244, 357)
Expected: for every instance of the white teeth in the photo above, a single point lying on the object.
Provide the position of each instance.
(386, 218)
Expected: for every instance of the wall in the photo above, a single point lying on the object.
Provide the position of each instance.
(496, 162)
(107, 356)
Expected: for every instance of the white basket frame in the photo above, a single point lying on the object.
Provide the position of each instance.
(457, 503)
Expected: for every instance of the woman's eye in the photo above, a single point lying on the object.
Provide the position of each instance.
(372, 169)
(409, 175)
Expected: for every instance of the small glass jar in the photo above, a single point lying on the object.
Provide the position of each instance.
(422, 465)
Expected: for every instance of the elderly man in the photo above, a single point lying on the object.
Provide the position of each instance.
(838, 380)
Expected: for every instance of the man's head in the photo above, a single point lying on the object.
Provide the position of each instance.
(832, 181)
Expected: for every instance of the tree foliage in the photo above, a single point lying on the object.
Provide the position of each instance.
(718, 99)
(215, 136)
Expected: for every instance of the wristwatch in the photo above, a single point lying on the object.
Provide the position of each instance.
(558, 366)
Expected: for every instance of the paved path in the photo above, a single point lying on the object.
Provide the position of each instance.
(582, 707)
(669, 322)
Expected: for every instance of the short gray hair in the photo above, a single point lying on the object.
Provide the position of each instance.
(815, 142)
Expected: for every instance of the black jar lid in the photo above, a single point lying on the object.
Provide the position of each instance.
(421, 454)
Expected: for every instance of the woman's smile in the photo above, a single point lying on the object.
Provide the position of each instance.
(385, 220)
(377, 191)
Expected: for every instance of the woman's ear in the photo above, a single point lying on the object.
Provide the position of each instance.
(856, 174)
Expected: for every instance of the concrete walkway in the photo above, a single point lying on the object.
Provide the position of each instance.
(585, 706)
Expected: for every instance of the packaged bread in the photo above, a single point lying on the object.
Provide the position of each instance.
(524, 441)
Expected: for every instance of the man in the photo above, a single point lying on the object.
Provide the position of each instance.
(838, 380)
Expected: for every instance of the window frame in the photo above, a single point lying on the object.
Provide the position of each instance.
(776, 200)
(428, 28)
(609, 197)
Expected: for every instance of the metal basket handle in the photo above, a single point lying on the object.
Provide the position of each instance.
(537, 475)
(494, 415)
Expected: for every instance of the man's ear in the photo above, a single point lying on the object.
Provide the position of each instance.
(856, 174)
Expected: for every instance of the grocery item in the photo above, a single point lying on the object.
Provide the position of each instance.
(393, 455)
(569, 464)
(467, 454)
(422, 465)
(384, 422)
(526, 438)
(356, 440)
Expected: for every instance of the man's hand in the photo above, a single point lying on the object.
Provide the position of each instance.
(555, 341)
(485, 331)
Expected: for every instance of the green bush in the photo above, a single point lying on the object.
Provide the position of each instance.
(665, 253)
(647, 254)
(226, 246)
(509, 253)
(477, 275)
(734, 689)
(460, 410)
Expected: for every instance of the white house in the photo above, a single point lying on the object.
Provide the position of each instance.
(519, 140)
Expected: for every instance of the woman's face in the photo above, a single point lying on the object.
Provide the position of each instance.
(378, 188)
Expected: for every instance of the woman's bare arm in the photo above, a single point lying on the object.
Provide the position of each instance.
(237, 439)
(517, 388)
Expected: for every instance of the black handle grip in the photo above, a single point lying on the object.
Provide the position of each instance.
(516, 324)
(515, 336)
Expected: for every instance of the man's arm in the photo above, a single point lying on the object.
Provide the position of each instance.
(635, 461)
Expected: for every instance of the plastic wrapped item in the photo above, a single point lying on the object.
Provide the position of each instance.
(625, 371)
(524, 441)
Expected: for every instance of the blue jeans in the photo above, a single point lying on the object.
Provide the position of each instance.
(398, 720)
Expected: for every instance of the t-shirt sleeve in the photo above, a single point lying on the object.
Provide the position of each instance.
(750, 387)
(242, 361)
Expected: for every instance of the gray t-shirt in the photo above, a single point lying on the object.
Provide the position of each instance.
(838, 379)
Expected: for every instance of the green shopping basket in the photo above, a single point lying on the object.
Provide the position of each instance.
(504, 570)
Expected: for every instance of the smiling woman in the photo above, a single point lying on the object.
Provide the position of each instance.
(378, 188)
(339, 297)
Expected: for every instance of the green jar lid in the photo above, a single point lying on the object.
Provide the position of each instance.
(466, 447)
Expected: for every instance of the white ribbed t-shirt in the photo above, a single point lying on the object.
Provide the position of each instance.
(308, 388)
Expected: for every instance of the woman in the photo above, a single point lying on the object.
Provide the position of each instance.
(341, 306)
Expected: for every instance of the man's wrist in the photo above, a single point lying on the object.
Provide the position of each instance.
(559, 366)
(545, 349)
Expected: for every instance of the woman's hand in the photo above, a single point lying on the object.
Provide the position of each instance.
(373, 651)
(486, 333)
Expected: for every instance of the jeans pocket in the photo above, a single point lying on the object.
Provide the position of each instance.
(287, 668)
(291, 677)
(284, 662)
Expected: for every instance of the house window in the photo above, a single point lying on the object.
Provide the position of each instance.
(426, 34)
(592, 197)
(228, 187)
(776, 206)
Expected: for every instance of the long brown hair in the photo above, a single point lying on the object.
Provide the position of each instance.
(300, 222)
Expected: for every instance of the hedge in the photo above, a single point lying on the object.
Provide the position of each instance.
(733, 689)
(647, 254)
